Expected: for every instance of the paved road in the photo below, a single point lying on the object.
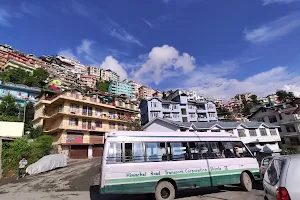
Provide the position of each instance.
(80, 181)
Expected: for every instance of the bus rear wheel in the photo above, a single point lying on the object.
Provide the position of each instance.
(246, 182)
(164, 191)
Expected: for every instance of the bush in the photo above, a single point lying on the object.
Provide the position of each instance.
(9, 119)
(32, 150)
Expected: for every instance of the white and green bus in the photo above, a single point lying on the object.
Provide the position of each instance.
(164, 162)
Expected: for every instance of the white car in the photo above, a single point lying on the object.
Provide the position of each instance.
(282, 178)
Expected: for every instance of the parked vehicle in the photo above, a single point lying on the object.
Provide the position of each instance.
(264, 164)
(47, 163)
(282, 178)
(164, 162)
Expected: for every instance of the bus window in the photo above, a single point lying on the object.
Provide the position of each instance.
(194, 151)
(179, 151)
(114, 153)
(134, 152)
(241, 150)
(215, 150)
(156, 151)
(229, 150)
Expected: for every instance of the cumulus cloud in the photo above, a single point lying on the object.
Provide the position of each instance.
(164, 62)
(268, 2)
(274, 29)
(216, 83)
(114, 65)
(67, 53)
(85, 47)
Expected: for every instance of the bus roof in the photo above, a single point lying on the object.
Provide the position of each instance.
(175, 135)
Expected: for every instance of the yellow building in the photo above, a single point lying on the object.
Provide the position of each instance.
(78, 122)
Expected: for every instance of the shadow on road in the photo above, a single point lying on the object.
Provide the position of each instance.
(94, 194)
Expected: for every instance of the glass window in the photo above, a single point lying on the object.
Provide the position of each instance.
(90, 111)
(215, 150)
(273, 131)
(179, 151)
(272, 119)
(198, 150)
(294, 141)
(241, 150)
(156, 152)
(252, 132)
(114, 153)
(73, 121)
(263, 132)
(229, 130)
(274, 171)
(228, 149)
(98, 124)
(84, 110)
(241, 133)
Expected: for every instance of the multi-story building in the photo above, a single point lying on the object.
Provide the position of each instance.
(146, 92)
(95, 71)
(158, 94)
(108, 75)
(135, 86)
(21, 93)
(15, 59)
(11, 63)
(261, 138)
(192, 95)
(121, 88)
(177, 109)
(6, 47)
(287, 116)
(71, 63)
(78, 123)
(218, 102)
(88, 81)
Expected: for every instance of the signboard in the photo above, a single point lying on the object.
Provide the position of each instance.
(74, 138)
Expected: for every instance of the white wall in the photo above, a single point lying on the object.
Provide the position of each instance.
(11, 129)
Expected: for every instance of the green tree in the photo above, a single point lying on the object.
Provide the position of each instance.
(247, 109)
(35, 132)
(8, 106)
(164, 95)
(254, 99)
(134, 125)
(285, 96)
(102, 85)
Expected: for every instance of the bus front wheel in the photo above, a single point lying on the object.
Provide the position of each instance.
(164, 191)
(246, 182)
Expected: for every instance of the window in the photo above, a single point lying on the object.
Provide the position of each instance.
(156, 152)
(211, 114)
(98, 112)
(166, 106)
(90, 111)
(263, 132)
(263, 110)
(215, 130)
(98, 124)
(84, 124)
(112, 125)
(202, 115)
(89, 124)
(229, 130)
(175, 115)
(290, 128)
(252, 132)
(261, 119)
(279, 130)
(273, 131)
(84, 110)
(214, 150)
(193, 115)
(73, 121)
(241, 132)
(178, 151)
(154, 114)
(241, 150)
(282, 140)
(190, 106)
(274, 171)
(201, 107)
(183, 111)
(114, 153)
(175, 106)
(294, 141)
(134, 152)
(74, 108)
(280, 116)
(272, 119)
(154, 104)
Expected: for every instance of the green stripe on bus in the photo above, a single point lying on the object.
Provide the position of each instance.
(178, 176)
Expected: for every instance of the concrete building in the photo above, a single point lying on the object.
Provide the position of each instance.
(78, 122)
(11, 63)
(88, 81)
(177, 109)
(95, 71)
(6, 48)
(109, 75)
(21, 93)
(146, 92)
(121, 88)
(78, 67)
(191, 94)
(218, 102)
(135, 86)
(286, 116)
(261, 138)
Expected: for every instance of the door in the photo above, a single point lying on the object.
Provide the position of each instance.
(97, 150)
(79, 152)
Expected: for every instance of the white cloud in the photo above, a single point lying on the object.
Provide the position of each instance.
(4, 17)
(67, 53)
(85, 47)
(268, 2)
(215, 83)
(123, 35)
(31, 9)
(114, 65)
(164, 62)
(275, 29)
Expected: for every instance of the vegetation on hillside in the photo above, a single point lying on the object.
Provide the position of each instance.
(102, 85)
(285, 96)
(20, 76)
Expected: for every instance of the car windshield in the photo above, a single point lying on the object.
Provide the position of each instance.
(274, 171)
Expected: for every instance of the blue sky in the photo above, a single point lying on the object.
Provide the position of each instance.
(218, 48)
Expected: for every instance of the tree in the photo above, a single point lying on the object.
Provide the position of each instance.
(254, 99)
(285, 96)
(225, 114)
(102, 85)
(134, 125)
(164, 95)
(247, 109)
(8, 106)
